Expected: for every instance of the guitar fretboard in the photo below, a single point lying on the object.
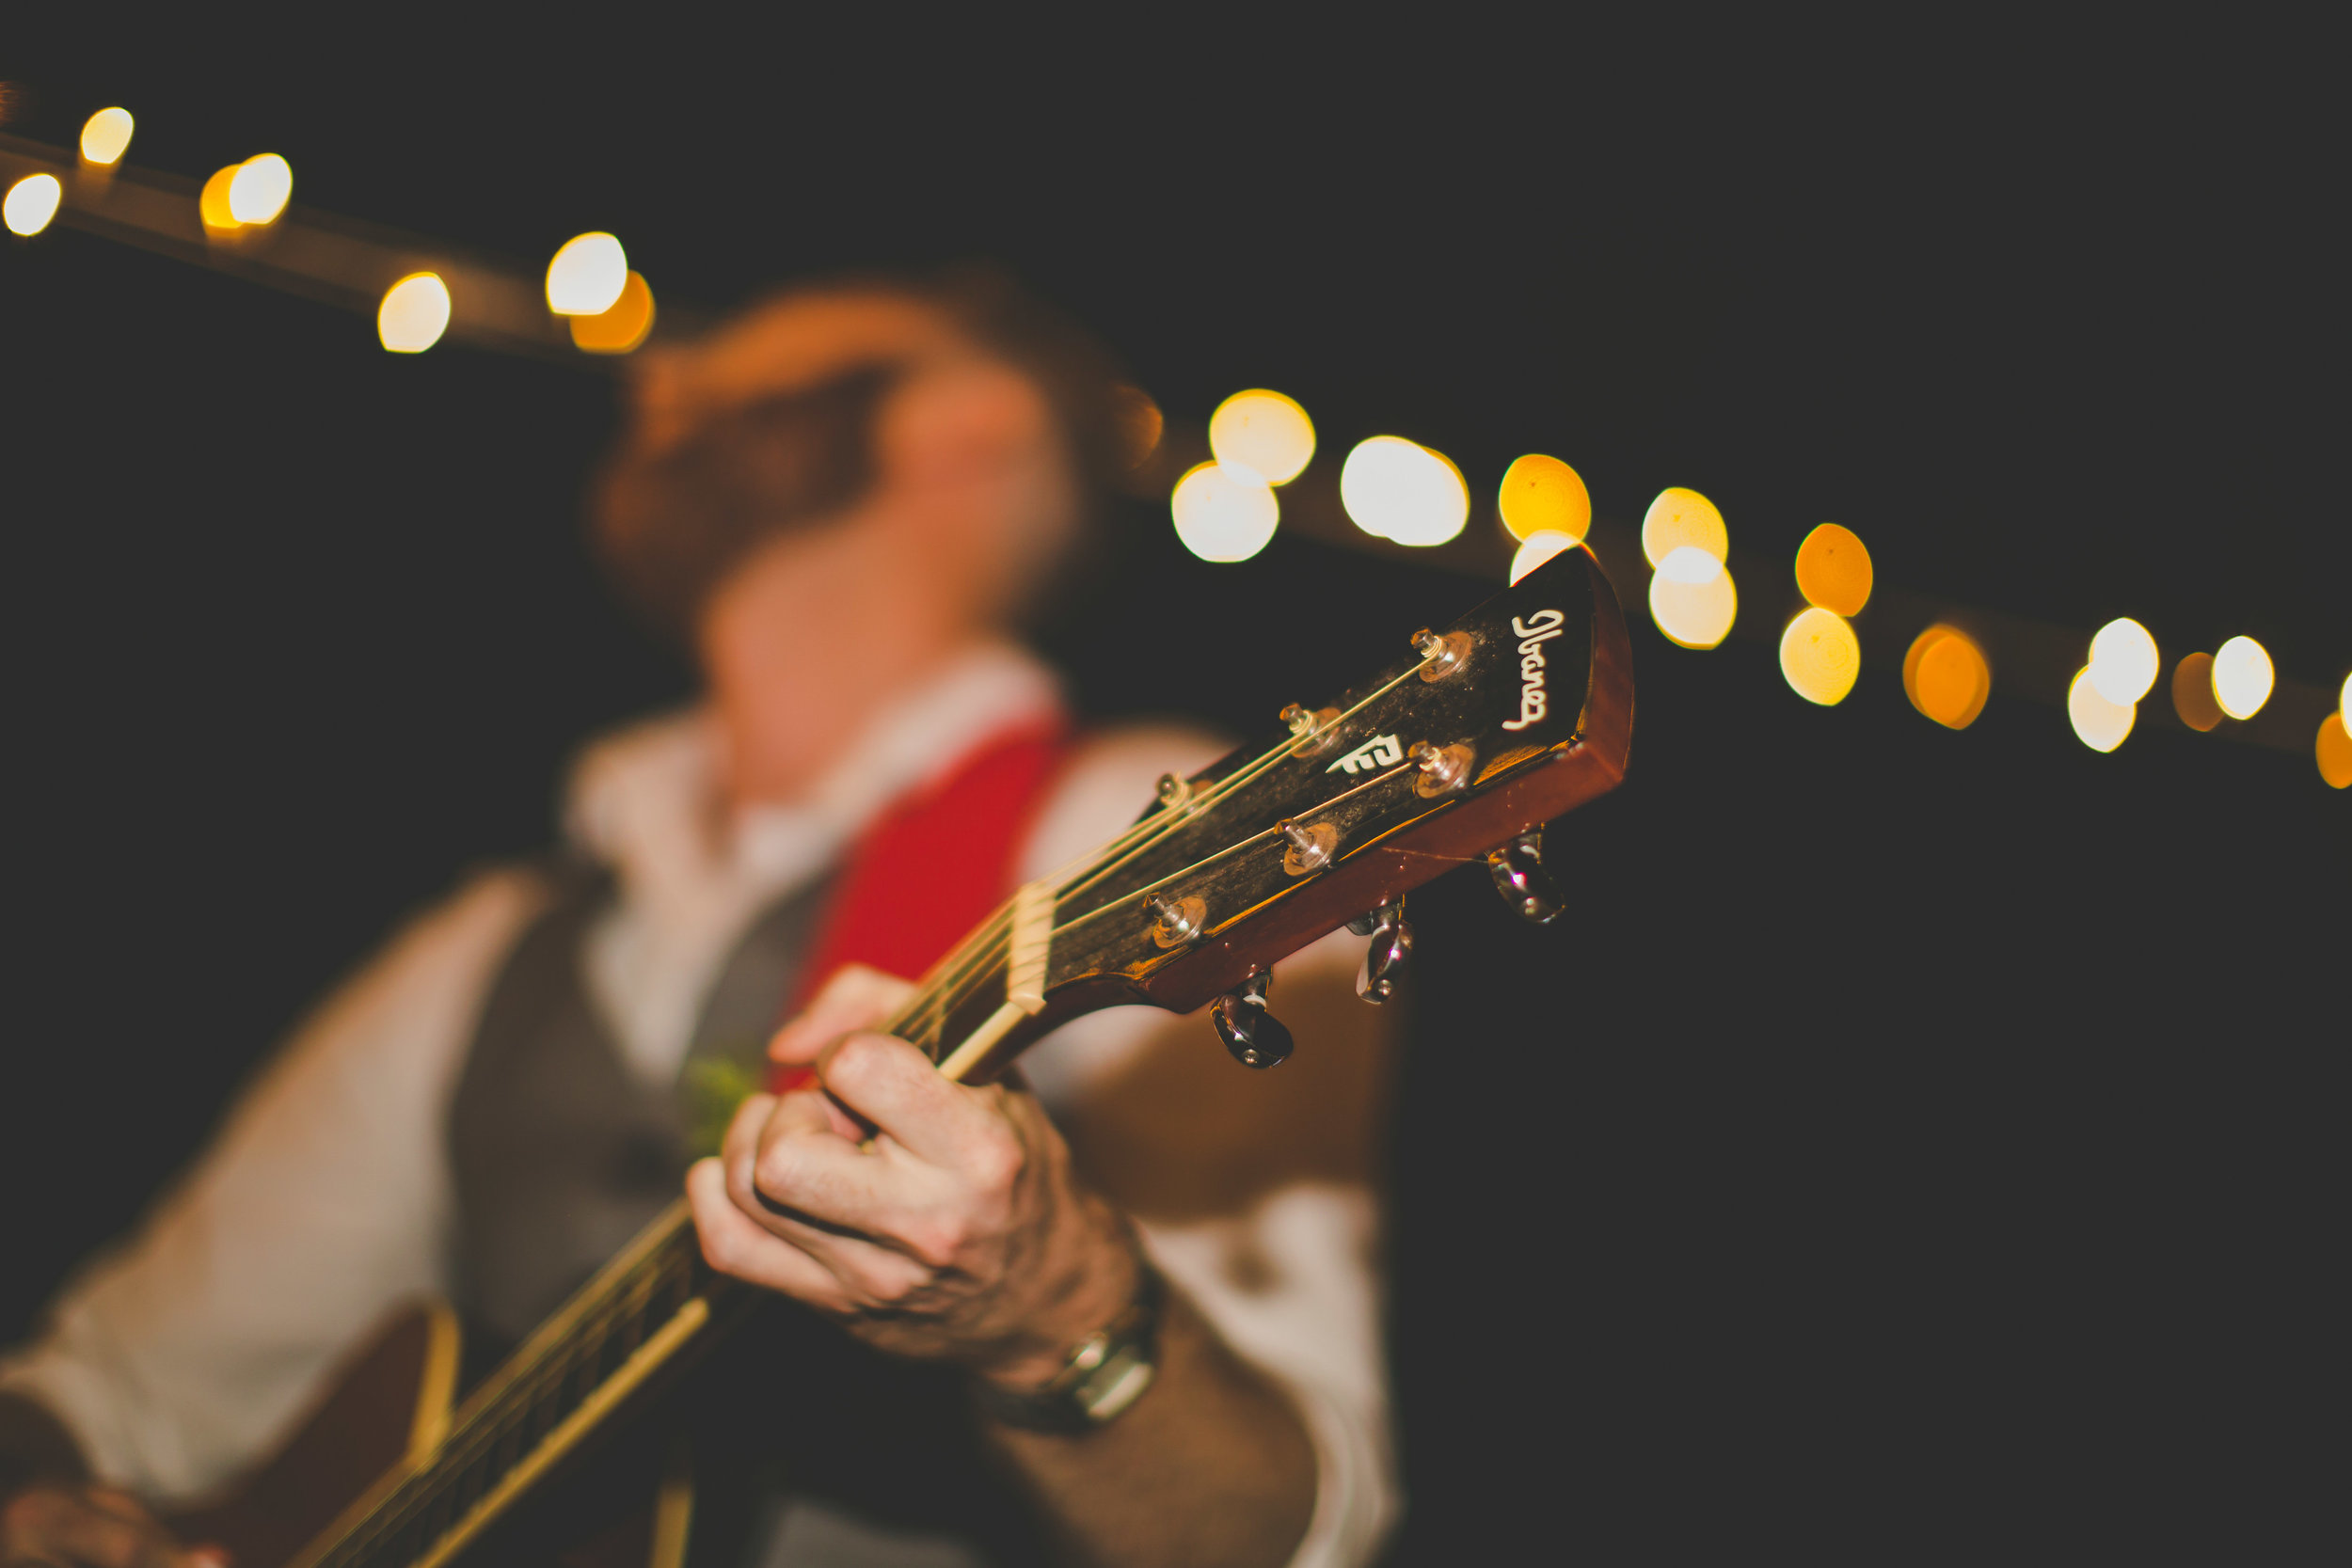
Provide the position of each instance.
(622, 1325)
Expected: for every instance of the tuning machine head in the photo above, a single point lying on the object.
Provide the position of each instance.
(1518, 868)
(1386, 955)
(1255, 1037)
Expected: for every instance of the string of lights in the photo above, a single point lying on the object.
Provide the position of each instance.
(1392, 495)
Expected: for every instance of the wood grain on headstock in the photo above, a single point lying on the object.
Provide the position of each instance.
(1221, 844)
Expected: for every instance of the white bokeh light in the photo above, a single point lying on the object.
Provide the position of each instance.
(1538, 547)
(2242, 677)
(2098, 723)
(1691, 598)
(414, 314)
(1223, 512)
(259, 189)
(2123, 661)
(1397, 489)
(587, 276)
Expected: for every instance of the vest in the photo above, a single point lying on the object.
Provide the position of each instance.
(561, 1153)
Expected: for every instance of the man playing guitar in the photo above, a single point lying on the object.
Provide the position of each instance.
(1138, 1280)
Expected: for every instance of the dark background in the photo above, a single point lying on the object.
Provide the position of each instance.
(1912, 1144)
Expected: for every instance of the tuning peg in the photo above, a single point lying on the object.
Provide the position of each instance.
(1518, 868)
(1390, 954)
(1255, 1037)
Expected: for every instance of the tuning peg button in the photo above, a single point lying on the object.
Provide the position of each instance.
(1255, 1037)
(1387, 958)
(1518, 868)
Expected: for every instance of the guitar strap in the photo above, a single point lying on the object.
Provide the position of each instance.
(934, 864)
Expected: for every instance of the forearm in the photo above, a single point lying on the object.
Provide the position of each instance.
(34, 1446)
(1213, 1464)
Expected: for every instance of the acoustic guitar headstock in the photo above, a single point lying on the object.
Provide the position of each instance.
(1459, 751)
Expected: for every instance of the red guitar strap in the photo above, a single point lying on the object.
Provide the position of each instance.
(935, 864)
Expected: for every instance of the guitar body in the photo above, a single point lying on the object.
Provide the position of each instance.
(386, 1409)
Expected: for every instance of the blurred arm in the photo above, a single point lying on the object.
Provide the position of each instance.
(1256, 1195)
(175, 1359)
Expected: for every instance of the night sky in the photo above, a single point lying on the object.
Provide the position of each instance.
(1910, 1143)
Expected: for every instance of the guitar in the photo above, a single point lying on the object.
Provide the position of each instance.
(1519, 712)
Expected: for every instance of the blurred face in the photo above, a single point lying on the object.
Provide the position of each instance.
(970, 491)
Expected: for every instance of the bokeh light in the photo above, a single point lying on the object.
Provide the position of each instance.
(1398, 489)
(2123, 661)
(2098, 723)
(1543, 495)
(1820, 657)
(1266, 432)
(1223, 513)
(1833, 570)
(1947, 676)
(587, 276)
(2334, 752)
(2192, 693)
(414, 314)
(259, 189)
(1140, 424)
(30, 203)
(106, 135)
(2242, 677)
(2344, 699)
(213, 204)
(1538, 547)
(1692, 599)
(1679, 517)
(623, 326)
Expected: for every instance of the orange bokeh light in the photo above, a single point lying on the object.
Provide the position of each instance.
(1833, 570)
(2192, 693)
(1947, 676)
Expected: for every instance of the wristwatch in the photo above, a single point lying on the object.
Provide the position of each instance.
(1105, 1375)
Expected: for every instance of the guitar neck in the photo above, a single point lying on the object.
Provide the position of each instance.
(640, 1312)
(1520, 711)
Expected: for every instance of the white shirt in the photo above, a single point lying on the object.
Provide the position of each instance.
(326, 1200)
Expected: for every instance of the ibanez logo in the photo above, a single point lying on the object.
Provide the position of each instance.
(1534, 633)
(1382, 751)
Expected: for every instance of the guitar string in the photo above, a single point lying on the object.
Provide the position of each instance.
(932, 1004)
(1139, 837)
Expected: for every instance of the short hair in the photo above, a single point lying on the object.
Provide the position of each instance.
(671, 524)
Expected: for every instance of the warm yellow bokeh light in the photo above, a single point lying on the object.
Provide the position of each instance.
(2344, 699)
(1398, 489)
(1692, 599)
(2333, 749)
(1223, 513)
(414, 314)
(106, 135)
(259, 189)
(2098, 723)
(212, 205)
(587, 276)
(1537, 548)
(2192, 693)
(30, 203)
(621, 328)
(1833, 570)
(1680, 517)
(1543, 495)
(1266, 432)
(2242, 677)
(2123, 661)
(1946, 677)
(1820, 657)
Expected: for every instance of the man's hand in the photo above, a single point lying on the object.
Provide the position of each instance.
(937, 1221)
(90, 1527)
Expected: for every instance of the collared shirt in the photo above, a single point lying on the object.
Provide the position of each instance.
(326, 1200)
